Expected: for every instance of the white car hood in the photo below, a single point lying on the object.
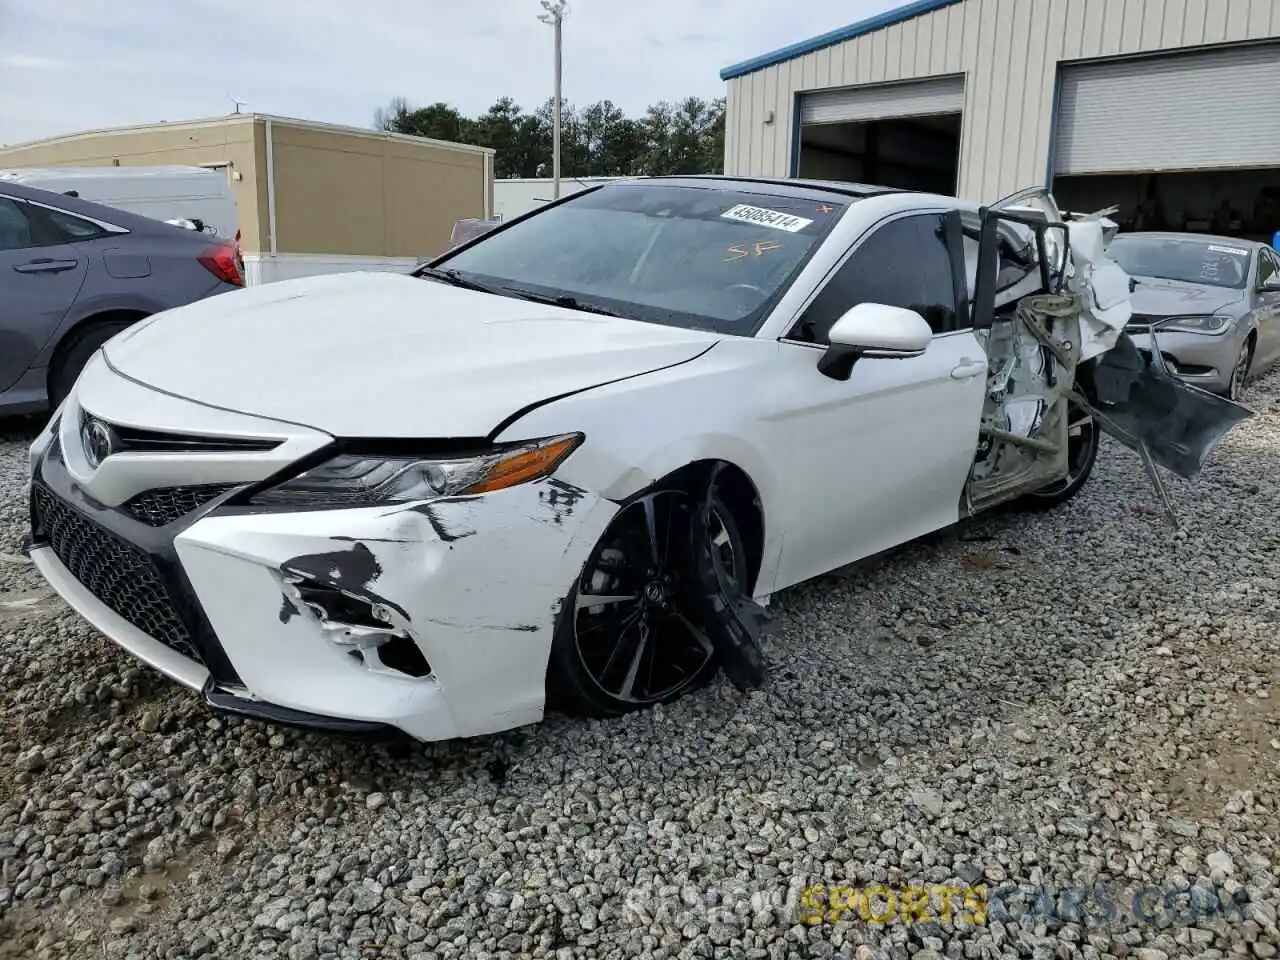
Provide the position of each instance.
(387, 355)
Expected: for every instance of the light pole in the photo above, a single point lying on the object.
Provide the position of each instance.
(555, 13)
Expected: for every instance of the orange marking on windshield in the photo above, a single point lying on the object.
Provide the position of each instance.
(741, 252)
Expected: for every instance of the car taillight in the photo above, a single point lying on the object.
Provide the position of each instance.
(224, 262)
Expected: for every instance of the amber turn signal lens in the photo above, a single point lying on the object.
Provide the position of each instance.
(526, 464)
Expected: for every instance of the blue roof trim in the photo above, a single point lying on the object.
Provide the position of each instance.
(870, 25)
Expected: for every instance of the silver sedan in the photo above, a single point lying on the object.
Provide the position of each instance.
(1215, 302)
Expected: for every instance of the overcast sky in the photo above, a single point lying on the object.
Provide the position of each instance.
(69, 65)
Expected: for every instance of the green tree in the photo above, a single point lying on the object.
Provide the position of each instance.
(597, 140)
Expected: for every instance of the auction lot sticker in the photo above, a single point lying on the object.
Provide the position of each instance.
(744, 213)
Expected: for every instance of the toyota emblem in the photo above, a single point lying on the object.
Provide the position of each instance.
(98, 440)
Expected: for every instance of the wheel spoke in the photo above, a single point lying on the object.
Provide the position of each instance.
(628, 684)
(651, 528)
(617, 568)
(703, 640)
(618, 646)
(587, 600)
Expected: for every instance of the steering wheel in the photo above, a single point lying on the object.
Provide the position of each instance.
(750, 288)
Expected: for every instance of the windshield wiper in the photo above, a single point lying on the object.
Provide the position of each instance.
(457, 279)
(560, 300)
(454, 278)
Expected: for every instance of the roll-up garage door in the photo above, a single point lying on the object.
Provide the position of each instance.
(1186, 111)
(883, 100)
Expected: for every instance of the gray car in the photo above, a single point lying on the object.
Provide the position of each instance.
(1215, 301)
(74, 273)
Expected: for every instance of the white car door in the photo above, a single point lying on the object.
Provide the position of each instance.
(880, 458)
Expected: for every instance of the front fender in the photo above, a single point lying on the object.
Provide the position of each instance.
(642, 429)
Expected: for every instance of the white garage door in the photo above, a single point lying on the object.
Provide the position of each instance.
(1188, 111)
(879, 101)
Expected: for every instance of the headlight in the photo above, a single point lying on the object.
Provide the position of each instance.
(355, 480)
(1209, 325)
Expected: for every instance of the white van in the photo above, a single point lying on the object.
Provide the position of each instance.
(199, 195)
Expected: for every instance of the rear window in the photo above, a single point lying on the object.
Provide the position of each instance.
(698, 257)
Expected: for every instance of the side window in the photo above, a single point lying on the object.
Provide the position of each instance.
(1267, 266)
(15, 228)
(904, 263)
(69, 228)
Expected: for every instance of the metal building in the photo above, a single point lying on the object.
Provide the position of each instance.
(1166, 107)
(310, 197)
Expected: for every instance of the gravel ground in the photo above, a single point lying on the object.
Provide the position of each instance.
(1074, 698)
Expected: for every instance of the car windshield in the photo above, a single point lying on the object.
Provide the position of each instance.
(689, 256)
(1213, 263)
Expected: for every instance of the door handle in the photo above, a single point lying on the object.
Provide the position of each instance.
(968, 369)
(46, 265)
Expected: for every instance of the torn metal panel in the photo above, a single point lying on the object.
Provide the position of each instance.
(1058, 352)
(477, 608)
(1102, 285)
(1140, 404)
(1023, 444)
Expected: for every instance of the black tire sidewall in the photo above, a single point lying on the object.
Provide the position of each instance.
(1233, 394)
(1044, 500)
(72, 358)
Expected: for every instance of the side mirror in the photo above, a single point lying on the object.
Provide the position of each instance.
(873, 330)
(1271, 284)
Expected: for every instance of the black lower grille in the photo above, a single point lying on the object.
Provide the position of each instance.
(117, 573)
(164, 505)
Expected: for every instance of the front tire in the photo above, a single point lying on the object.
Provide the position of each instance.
(628, 636)
(1083, 437)
(1240, 372)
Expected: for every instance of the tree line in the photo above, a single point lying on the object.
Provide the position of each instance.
(599, 140)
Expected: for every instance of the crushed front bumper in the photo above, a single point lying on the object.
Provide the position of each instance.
(231, 601)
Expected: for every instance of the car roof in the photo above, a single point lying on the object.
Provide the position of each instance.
(1202, 237)
(132, 222)
(835, 190)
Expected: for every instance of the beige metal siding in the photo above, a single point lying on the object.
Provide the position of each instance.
(218, 141)
(1008, 51)
(339, 190)
(370, 196)
(339, 193)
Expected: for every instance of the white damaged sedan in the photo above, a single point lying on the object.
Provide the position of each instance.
(572, 459)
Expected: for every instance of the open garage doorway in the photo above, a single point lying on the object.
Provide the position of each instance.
(1233, 203)
(913, 153)
(903, 135)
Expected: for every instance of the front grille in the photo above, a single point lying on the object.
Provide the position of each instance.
(117, 573)
(138, 440)
(164, 505)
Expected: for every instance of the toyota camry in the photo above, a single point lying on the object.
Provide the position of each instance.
(571, 460)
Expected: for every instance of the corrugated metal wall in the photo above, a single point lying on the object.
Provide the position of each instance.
(1008, 50)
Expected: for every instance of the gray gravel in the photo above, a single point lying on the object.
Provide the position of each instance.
(1080, 697)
